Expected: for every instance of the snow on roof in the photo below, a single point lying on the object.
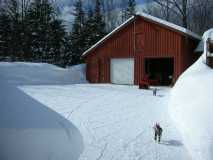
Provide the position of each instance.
(149, 17)
(206, 35)
(171, 25)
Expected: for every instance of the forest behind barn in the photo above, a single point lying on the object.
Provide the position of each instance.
(35, 31)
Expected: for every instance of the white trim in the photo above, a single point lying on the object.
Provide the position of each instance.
(149, 17)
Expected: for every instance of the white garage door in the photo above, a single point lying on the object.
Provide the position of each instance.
(122, 71)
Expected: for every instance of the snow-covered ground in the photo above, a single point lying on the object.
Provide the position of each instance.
(28, 129)
(114, 121)
(19, 73)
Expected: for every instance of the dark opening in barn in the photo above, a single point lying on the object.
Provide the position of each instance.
(160, 69)
(211, 46)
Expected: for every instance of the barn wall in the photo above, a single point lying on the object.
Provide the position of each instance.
(140, 39)
(188, 57)
(118, 46)
(159, 42)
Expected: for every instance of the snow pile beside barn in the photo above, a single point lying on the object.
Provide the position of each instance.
(191, 107)
(20, 73)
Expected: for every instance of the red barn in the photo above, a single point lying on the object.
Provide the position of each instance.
(142, 47)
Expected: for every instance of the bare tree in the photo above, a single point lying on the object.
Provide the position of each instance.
(177, 7)
(201, 16)
(196, 15)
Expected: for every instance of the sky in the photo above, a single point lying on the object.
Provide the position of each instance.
(66, 7)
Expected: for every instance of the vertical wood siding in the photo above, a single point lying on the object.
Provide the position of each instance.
(157, 42)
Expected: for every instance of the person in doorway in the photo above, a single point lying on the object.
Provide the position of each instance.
(157, 132)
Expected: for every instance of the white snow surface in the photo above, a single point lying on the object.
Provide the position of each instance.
(206, 35)
(191, 108)
(30, 130)
(20, 73)
(39, 109)
(115, 121)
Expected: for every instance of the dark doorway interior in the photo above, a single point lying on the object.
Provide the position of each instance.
(160, 69)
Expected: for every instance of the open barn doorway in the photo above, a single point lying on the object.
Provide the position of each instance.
(161, 69)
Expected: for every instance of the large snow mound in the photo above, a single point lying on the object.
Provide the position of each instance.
(191, 107)
(20, 73)
(30, 130)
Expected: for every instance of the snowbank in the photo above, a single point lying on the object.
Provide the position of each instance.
(20, 73)
(191, 108)
(30, 130)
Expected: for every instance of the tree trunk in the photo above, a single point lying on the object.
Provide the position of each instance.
(184, 9)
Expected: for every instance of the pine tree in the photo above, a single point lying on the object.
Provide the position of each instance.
(33, 33)
(40, 18)
(99, 23)
(77, 34)
(95, 27)
(47, 32)
(66, 55)
(16, 30)
(57, 42)
(5, 36)
(90, 29)
(129, 11)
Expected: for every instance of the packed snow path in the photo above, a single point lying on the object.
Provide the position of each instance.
(115, 121)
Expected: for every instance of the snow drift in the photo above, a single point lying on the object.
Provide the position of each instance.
(20, 73)
(30, 130)
(191, 108)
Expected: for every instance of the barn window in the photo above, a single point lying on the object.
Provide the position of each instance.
(139, 41)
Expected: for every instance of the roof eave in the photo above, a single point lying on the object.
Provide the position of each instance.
(117, 29)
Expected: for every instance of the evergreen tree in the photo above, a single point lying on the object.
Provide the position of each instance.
(90, 29)
(40, 16)
(129, 11)
(77, 34)
(67, 51)
(95, 26)
(32, 33)
(5, 36)
(16, 30)
(57, 42)
(47, 32)
(99, 23)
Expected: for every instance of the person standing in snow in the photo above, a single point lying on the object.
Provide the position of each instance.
(157, 132)
(154, 91)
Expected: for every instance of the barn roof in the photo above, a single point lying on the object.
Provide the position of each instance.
(150, 18)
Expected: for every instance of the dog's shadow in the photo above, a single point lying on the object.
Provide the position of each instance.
(174, 143)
